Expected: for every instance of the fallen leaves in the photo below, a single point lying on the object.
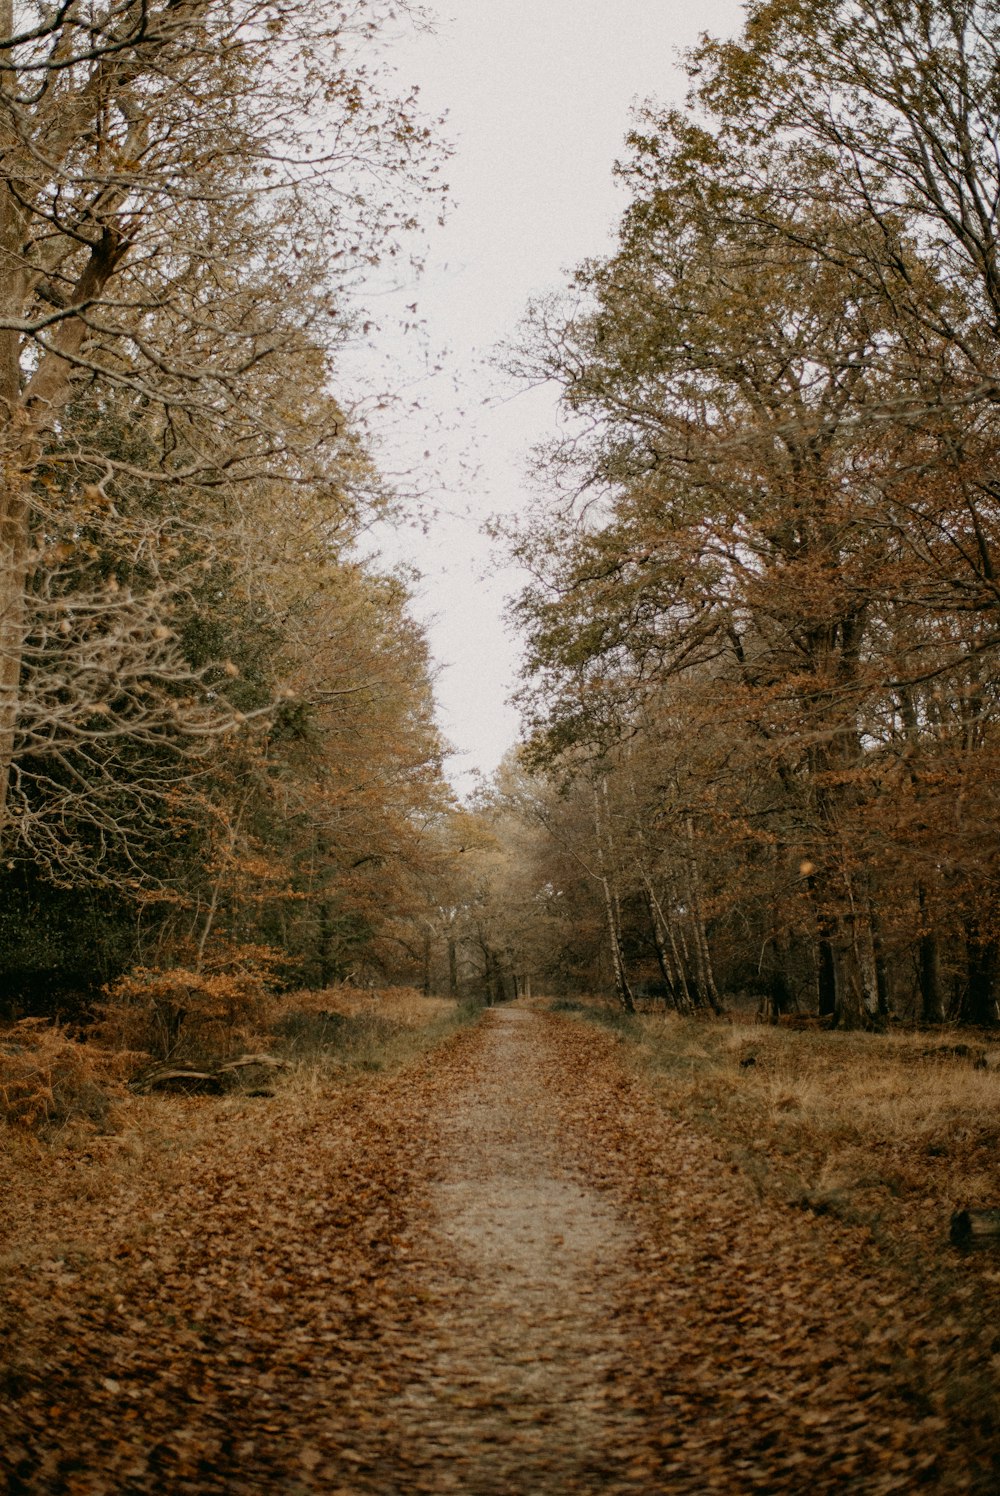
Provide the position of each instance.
(499, 1259)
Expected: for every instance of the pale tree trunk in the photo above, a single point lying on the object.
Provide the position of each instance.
(682, 952)
(859, 995)
(622, 989)
(667, 954)
(663, 938)
(13, 582)
(703, 957)
(680, 966)
(13, 503)
(657, 926)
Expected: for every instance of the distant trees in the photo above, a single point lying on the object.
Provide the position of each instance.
(766, 547)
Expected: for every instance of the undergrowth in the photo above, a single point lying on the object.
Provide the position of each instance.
(56, 1086)
(341, 1030)
(889, 1131)
(877, 1139)
(50, 1081)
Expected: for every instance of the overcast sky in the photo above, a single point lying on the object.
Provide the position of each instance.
(538, 95)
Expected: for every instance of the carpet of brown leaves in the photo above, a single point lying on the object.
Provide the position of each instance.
(501, 1268)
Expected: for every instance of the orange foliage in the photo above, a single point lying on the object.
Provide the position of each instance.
(213, 1005)
(47, 1078)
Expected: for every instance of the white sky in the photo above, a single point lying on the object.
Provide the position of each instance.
(538, 96)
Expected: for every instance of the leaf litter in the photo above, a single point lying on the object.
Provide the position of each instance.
(502, 1268)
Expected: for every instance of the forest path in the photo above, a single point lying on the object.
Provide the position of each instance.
(501, 1268)
(523, 1265)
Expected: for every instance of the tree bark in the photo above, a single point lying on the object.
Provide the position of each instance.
(828, 975)
(703, 956)
(662, 953)
(452, 967)
(13, 505)
(426, 981)
(622, 989)
(979, 1002)
(929, 955)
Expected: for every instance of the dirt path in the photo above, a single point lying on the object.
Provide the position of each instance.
(522, 1268)
(501, 1269)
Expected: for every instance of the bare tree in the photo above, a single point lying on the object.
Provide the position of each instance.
(188, 190)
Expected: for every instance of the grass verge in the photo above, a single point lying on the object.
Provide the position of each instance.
(57, 1091)
(888, 1130)
(874, 1140)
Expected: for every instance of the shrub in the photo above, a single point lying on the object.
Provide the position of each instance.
(196, 1012)
(48, 1080)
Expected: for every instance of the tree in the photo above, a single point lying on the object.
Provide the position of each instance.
(187, 190)
(773, 520)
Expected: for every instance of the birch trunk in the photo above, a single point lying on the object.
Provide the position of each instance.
(703, 956)
(622, 989)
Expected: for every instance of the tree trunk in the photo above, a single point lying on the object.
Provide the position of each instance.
(685, 964)
(622, 989)
(703, 956)
(777, 998)
(881, 966)
(829, 976)
(859, 996)
(13, 498)
(685, 1004)
(27, 414)
(426, 980)
(452, 967)
(858, 992)
(979, 1003)
(662, 956)
(325, 940)
(666, 947)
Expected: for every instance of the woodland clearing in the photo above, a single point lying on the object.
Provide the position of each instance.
(542, 1255)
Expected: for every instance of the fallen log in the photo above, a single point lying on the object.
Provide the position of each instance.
(269, 1061)
(212, 1082)
(972, 1227)
(181, 1082)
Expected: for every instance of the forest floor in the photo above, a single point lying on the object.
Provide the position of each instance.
(542, 1257)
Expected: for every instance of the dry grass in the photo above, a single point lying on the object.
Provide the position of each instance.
(876, 1140)
(402, 1005)
(62, 1089)
(893, 1130)
(325, 1033)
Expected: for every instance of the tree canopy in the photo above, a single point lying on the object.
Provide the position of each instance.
(765, 546)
